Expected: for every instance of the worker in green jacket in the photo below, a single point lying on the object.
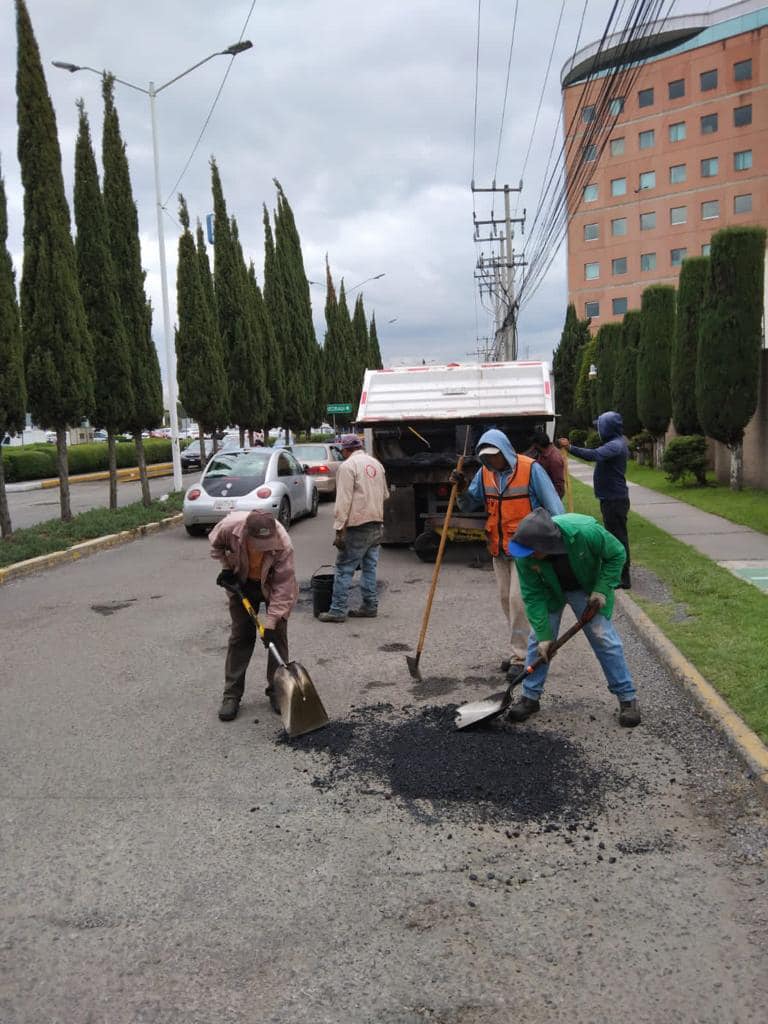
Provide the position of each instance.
(570, 559)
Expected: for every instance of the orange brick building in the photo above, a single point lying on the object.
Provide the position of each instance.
(687, 155)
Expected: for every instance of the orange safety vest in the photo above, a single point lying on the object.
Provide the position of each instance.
(507, 510)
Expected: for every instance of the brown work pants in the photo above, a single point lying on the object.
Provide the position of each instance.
(242, 639)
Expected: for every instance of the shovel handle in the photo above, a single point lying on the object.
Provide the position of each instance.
(237, 589)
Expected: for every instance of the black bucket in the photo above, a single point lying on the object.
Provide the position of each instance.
(322, 589)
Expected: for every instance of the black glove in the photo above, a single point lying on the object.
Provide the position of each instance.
(269, 636)
(458, 478)
(338, 540)
(227, 578)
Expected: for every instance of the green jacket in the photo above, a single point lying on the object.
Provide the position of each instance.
(596, 558)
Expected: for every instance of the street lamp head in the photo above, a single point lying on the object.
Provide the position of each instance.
(236, 48)
(376, 278)
(64, 66)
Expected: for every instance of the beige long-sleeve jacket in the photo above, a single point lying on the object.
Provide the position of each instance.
(361, 490)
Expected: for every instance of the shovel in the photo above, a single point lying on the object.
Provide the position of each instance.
(497, 704)
(300, 707)
(413, 662)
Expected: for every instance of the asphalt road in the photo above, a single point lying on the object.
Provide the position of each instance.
(161, 867)
(30, 507)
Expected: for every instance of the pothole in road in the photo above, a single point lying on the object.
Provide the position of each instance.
(493, 775)
(395, 647)
(110, 607)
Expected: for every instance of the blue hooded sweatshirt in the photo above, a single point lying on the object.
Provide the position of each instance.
(540, 489)
(609, 481)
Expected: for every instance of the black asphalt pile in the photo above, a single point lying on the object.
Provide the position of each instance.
(492, 775)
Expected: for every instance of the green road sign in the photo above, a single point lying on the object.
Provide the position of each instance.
(339, 407)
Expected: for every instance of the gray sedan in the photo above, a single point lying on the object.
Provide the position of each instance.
(243, 479)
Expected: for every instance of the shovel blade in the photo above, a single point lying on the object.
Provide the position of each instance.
(300, 706)
(413, 666)
(481, 710)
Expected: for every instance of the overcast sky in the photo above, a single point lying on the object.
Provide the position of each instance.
(362, 109)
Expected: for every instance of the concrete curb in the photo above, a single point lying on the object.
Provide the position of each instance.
(746, 744)
(127, 473)
(87, 547)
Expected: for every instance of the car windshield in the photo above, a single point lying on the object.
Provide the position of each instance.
(252, 465)
(310, 452)
(193, 449)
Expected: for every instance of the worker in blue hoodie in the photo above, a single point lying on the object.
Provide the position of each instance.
(610, 479)
(507, 486)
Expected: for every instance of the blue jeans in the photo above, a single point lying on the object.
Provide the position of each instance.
(361, 551)
(604, 641)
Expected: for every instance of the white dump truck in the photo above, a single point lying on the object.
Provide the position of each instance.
(416, 421)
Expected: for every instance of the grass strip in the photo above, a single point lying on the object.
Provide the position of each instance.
(723, 631)
(747, 507)
(54, 535)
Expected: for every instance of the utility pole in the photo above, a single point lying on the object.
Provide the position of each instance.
(503, 269)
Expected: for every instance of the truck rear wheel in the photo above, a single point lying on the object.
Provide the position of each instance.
(426, 545)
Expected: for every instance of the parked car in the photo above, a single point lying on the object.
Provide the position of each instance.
(244, 479)
(322, 462)
(99, 435)
(190, 457)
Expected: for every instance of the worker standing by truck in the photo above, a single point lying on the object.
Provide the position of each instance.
(508, 486)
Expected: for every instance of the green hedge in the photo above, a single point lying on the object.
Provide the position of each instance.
(38, 461)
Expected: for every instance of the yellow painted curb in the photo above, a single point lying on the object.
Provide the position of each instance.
(746, 743)
(82, 550)
(127, 473)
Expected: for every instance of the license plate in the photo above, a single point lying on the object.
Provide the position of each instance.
(223, 503)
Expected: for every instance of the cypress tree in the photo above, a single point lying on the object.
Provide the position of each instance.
(201, 371)
(685, 343)
(585, 388)
(123, 224)
(331, 355)
(374, 355)
(566, 363)
(113, 393)
(248, 400)
(728, 368)
(271, 367)
(654, 360)
(361, 343)
(624, 398)
(277, 318)
(13, 394)
(346, 369)
(607, 358)
(57, 345)
(209, 297)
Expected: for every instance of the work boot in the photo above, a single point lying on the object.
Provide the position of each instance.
(504, 666)
(331, 617)
(629, 713)
(522, 709)
(514, 670)
(366, 611)
(270, 692)
(229, 708)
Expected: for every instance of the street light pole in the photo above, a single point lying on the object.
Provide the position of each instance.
(170, 353)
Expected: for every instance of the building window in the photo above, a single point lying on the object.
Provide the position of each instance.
(742, 70)
(617, 147)
(677, 131)
(590, 193)
(705, 249)
(676, 89)
(590, 153)
(619, 266)
(708, 80)
(678, 173)
(618, 186)
(742, 204)
(676, 256)
(591, 232)
(647, 221)
(592, 309)
(647, 180)
(742, 115)
(710, 209)
(709, 167)
(742, 161)
(678, 215)
(588, 114)
(616, 106)
(708, 124)
(647, 139)
(619, 226)
(591, 271)
(645, 98)
(619, 306)
(648, 261)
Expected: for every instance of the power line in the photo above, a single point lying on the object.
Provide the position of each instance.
(211, 110)
(477, 76)
(506, 90)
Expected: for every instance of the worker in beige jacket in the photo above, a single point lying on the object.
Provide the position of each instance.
(361, 490)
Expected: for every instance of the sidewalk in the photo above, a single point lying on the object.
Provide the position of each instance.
(742, 551)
